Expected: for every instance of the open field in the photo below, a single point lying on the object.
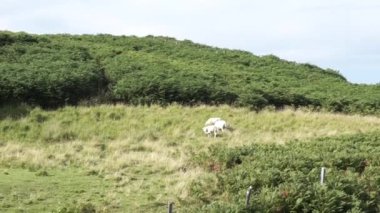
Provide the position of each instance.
(117, 158)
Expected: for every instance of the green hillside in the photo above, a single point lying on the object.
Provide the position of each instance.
(53, 70)
(136, 159)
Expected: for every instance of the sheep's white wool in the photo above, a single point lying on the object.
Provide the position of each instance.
(211, 121)
(220, 125)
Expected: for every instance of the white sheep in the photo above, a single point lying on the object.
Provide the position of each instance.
(212, 129)
(211, 121)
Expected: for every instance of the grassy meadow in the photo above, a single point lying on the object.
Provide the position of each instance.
(118, 158)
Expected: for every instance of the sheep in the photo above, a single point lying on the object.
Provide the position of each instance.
(211, 121)
(215, 126)
(212, 129)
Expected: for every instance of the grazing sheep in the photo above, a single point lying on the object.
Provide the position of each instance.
(211, 121)
(208, 130)
(215, 126)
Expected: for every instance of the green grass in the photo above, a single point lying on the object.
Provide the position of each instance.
(175, 124)
(127, 158)
(46, 190)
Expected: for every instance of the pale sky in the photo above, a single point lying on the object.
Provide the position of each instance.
(343, 35)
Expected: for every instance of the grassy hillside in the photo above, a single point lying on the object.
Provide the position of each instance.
(61, 150)
(127, 159)
(53, 70)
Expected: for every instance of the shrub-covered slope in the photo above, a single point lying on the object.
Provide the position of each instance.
(286, 178)
(57, 69)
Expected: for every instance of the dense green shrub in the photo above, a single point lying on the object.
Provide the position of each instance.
(285, 178)
(46, 74)
(63, 69)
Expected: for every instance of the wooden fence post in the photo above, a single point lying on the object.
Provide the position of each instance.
(323, 175)
(248, 196)
(170, 207)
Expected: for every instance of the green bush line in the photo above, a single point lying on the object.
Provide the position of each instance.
(54, 70)
(285, 178)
